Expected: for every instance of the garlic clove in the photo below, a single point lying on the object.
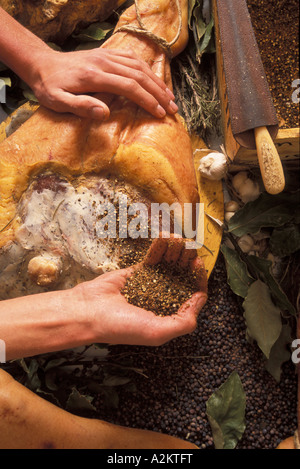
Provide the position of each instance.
(214, 166)
(239, 179)
(246, 243)
(249, 191)
(229, 215)
(231, 206)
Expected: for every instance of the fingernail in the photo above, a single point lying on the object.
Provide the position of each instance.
(160, 111)
(170, 94)
(97, 113)
(173, 106)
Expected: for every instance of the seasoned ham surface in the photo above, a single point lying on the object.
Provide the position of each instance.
(56, 169)
(70, 232)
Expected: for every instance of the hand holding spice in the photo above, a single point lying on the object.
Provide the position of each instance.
(98, 311)
(152, 302)
(170, 281)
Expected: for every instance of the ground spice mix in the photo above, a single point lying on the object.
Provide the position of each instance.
(161, 289)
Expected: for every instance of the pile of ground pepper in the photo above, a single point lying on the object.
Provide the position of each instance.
(276, 27)
(132, 251)
(162, 288)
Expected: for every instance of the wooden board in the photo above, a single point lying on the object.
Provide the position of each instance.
(211, 195)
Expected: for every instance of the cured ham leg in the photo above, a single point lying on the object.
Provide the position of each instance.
(154, 157)
(53, 172)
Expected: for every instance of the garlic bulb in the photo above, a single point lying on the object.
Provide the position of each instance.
(250, 191)
(214, 166)
(231, 206)
(239, 179)
(247, 189)
(246, 243)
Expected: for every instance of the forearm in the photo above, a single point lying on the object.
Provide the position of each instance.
(30, 422)
(20, 49)
(42, 323)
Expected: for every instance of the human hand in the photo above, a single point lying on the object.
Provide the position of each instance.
(115, 321)
(63, 82)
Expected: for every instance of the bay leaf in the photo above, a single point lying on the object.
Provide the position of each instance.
(266, 211)
(263, 269)
(88, 45)
(226, 413)
(111, 397)
(199, 22)
(33, 381)
(23, 365)
(50, 380)
(94, 32)
(207, 36)
(5, 81)
(28, 94)
(262, 317)
(114, 380)
(56, 362)
(237, 274)
(54, 46)
(192, 4)
(216, 431)
(285, 240)
(280, 353)
(77, 401)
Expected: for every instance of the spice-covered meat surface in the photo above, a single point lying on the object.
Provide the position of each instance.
(57, 170)
(71, 231)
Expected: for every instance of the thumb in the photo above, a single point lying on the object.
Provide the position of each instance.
(118, 278)
(194, 305)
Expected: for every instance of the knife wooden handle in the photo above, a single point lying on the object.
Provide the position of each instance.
(269, 161)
